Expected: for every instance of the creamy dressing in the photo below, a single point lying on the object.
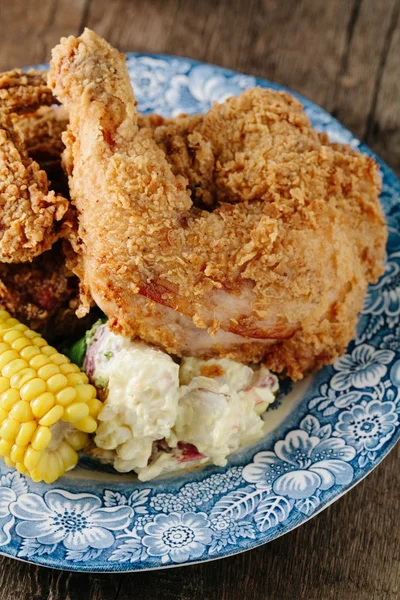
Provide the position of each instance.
(211, 407)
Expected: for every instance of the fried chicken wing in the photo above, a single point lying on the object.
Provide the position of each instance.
(275, 270)
(30, 213)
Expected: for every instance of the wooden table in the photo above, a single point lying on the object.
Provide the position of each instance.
(345, 56)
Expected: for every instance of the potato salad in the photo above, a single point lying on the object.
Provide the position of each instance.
(159, 415)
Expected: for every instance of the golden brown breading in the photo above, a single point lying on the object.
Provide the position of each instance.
(30, 213)
(24, 91)
(42, 131)
(27, 98)
(276, 272)
(42, 137)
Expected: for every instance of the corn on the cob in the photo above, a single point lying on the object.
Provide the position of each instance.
(47, 406)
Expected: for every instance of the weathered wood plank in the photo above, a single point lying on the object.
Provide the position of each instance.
(277, 40)
(354, 93)
(384, 125)
(29, 29)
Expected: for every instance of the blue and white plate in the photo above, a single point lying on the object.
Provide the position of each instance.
(325, 434)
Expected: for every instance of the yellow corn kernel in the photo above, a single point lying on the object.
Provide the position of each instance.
(21, 468)
(75, 412)
(94, 406)
(66, 396)
(11, 322)
(25, 433)
(68, 455)
(41, 438)
(21, 411)
(12, 335)
(17, 453)
(49, 350)
(32, 389)
(54, 468)
(54, 415)
(29, 352)
(36, 475)
(4, 347)
(31, 458)
(8, 429)
(30, 334)
(39, 361)
(22, 377)
(85, 392)
(77, 439)
(42, 404)
(5, 447)
(7, 357)
(3, 414)
(9, 398)
(87, 424)
(20, 343)
(39, 387)
(14, 367)
(57, 383)
(59, 359)
(4, 384)
(48, 371)
(68, 368)
(74, 378)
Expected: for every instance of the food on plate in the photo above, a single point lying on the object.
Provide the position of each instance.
(275, 273)
(222, 248)
(44, 294)
(41, 132)
(159, 416)
(24, 91)
(31, 213)
(41, 292)
(47, 406)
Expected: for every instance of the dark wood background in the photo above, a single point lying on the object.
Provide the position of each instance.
(345, 56)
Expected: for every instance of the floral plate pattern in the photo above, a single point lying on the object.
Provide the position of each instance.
(345, 420)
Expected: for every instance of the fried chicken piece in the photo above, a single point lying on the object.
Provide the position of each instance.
(42, 132)
(24, 91)
(44, 295)
(277, 274)
(188, 152)
(28, 99)
(42, 136)
(30, 213)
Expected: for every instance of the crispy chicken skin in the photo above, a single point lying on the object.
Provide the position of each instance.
(30, 212)
(42, 137)
(44, 294)
(24, 91)
(276, 272)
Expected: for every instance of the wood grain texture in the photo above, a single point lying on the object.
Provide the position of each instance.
(29, 29)
(344, 55)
